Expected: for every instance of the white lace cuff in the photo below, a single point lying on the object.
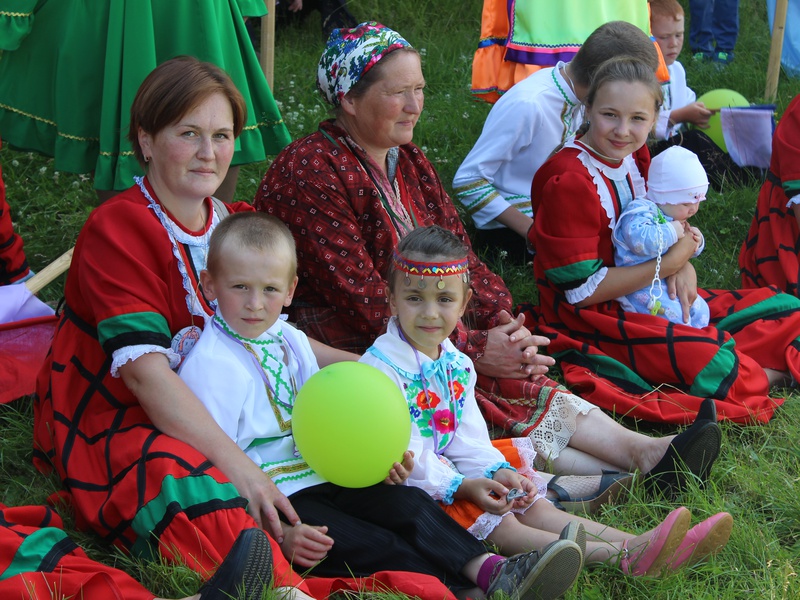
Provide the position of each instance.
(588, 288)
(131, 353)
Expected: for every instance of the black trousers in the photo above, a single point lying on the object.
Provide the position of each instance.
(387, 528)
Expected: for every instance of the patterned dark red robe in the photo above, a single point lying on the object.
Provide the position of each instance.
(641, 365)
(769, 254)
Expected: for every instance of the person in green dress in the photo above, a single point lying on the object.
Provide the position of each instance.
(70, 69)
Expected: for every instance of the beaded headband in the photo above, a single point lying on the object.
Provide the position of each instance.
(431, 269)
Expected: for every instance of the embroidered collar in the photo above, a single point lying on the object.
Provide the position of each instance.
(273, 359)
(570, 98)
(616, 171)
(431, 381)
(598, 169)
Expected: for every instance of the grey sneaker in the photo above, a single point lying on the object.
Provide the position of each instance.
(538, 576)
(575, 532)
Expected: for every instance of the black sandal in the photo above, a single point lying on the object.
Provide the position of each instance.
(692, 451)
(613, 484)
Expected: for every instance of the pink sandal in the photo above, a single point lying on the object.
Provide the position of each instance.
(653, 556)
(704, 539)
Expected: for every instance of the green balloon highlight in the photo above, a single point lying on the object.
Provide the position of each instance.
(351, 424)
(714, 100)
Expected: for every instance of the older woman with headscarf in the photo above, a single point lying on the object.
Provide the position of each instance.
(351, 189)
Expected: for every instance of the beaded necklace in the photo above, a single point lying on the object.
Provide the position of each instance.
(403, 220)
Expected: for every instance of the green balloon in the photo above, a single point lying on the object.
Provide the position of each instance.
(716, 99)
(351, 424)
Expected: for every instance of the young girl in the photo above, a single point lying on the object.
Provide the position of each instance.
(456, 463)
(642, 365)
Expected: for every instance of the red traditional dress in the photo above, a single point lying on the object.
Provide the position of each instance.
(39, 562)
(346, 224)
(132, 284)
(634, 364)
(769, 254)
(13, 264)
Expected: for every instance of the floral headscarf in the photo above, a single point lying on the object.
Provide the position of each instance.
(350, 54)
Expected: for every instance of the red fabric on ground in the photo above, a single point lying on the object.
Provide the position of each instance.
(23, 347)
(71, 575)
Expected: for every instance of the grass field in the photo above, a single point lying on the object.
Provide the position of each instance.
(757, 477)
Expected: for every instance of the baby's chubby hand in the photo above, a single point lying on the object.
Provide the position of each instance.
(401, 471)
(679, 228)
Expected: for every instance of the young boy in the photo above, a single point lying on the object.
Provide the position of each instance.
(649, 226)
(680, 107)
(247, 367)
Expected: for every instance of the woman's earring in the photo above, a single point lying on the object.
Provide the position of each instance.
(147, 159)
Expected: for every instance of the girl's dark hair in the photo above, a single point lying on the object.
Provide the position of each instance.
(628, 70)
(174, 88)
(613, 39)
(429, 243)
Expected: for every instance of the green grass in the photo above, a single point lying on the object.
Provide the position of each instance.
(757, 476)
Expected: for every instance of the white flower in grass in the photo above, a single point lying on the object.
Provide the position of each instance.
(465, 115)
(15, 163)
(42, 170)
(503, 253)
(423, 51)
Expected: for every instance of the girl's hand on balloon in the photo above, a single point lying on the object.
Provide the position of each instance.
(305, 545)
(401, 471)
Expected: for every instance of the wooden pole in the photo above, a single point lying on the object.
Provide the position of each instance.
(774, 64)
(268, 43)
(50, 272)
